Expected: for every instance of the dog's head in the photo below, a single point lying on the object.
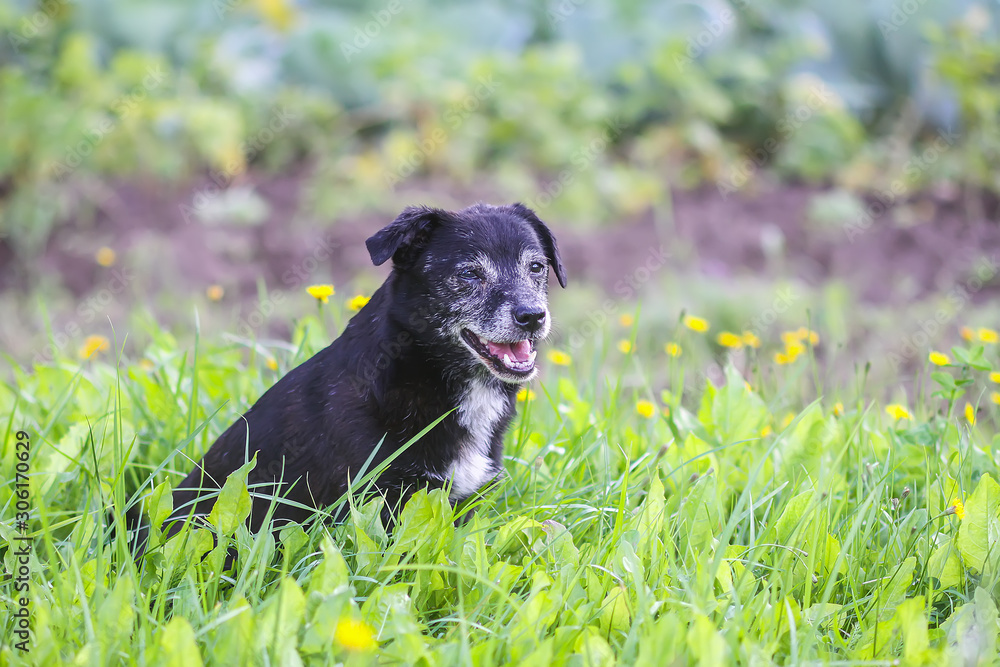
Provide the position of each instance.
(481, 276)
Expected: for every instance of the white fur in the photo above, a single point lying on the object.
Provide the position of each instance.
(478, 412)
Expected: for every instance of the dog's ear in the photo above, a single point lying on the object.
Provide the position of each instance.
(405, 235)
(545, 236)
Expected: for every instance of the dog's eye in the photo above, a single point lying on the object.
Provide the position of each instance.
(536, 267)
(470, 274)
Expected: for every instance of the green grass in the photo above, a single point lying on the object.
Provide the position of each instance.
(722, 529)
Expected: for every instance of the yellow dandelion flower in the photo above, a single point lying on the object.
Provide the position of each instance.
(995, 397)
(355, 635)
(995, 377)
(787, 420)
(939, 359)
(793, 350)
(673, 349)
(790, 337)
(838, 409)
(645, 408)
(559, 358)
(214, 292)
(271, 363)
(696, 323)
(358, 302)
(958, 508)
(988, 335)
(93, 345)
(105, 256)
(146, 365)
(750, 339)
(626, 320)
(624, 346)
(967, 333)
(897, 411)
(524, 394)
(970, 414)
(730, 340)
(766, 431)
(321, 293)
(805, 335)
(747, 386)
(278, 13)
(782, 359)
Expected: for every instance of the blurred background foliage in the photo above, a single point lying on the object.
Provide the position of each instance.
(369, 94)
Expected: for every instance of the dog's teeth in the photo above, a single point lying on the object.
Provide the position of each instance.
(531, 357)
(506, 360)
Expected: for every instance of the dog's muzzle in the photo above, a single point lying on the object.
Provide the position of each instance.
(514, 360)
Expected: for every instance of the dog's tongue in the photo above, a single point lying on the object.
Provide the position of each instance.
(519, 351)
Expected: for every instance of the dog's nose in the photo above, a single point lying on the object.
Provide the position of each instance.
(529, 318)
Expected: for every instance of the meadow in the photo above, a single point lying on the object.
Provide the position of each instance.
(651, 514)
(766, 426)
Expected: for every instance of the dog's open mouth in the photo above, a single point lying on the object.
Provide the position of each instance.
(516, 358)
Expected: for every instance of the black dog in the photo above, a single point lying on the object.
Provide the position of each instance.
(451, 331)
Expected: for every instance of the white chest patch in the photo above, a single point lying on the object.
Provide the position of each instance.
(478, 412)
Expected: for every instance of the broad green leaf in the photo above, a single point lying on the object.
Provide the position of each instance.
(279, 619)
(332, 572)
(615, 612)
(738, 414)
(979, 534)
(945, 566)
(893, 588)
(425, 524)
(233, 505)
(818, 614)
(520, 533)
(367, 552)
(177, 645)
(389, 609)
(234, 640)
(292, 538)
(474, 560)
(593, 649)
(561, 549)
(698, 515)
(912, 620)
(117, 613)
(160, 503)
(650, 519)
(793, 517)
(705, 642)
(944, 379)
